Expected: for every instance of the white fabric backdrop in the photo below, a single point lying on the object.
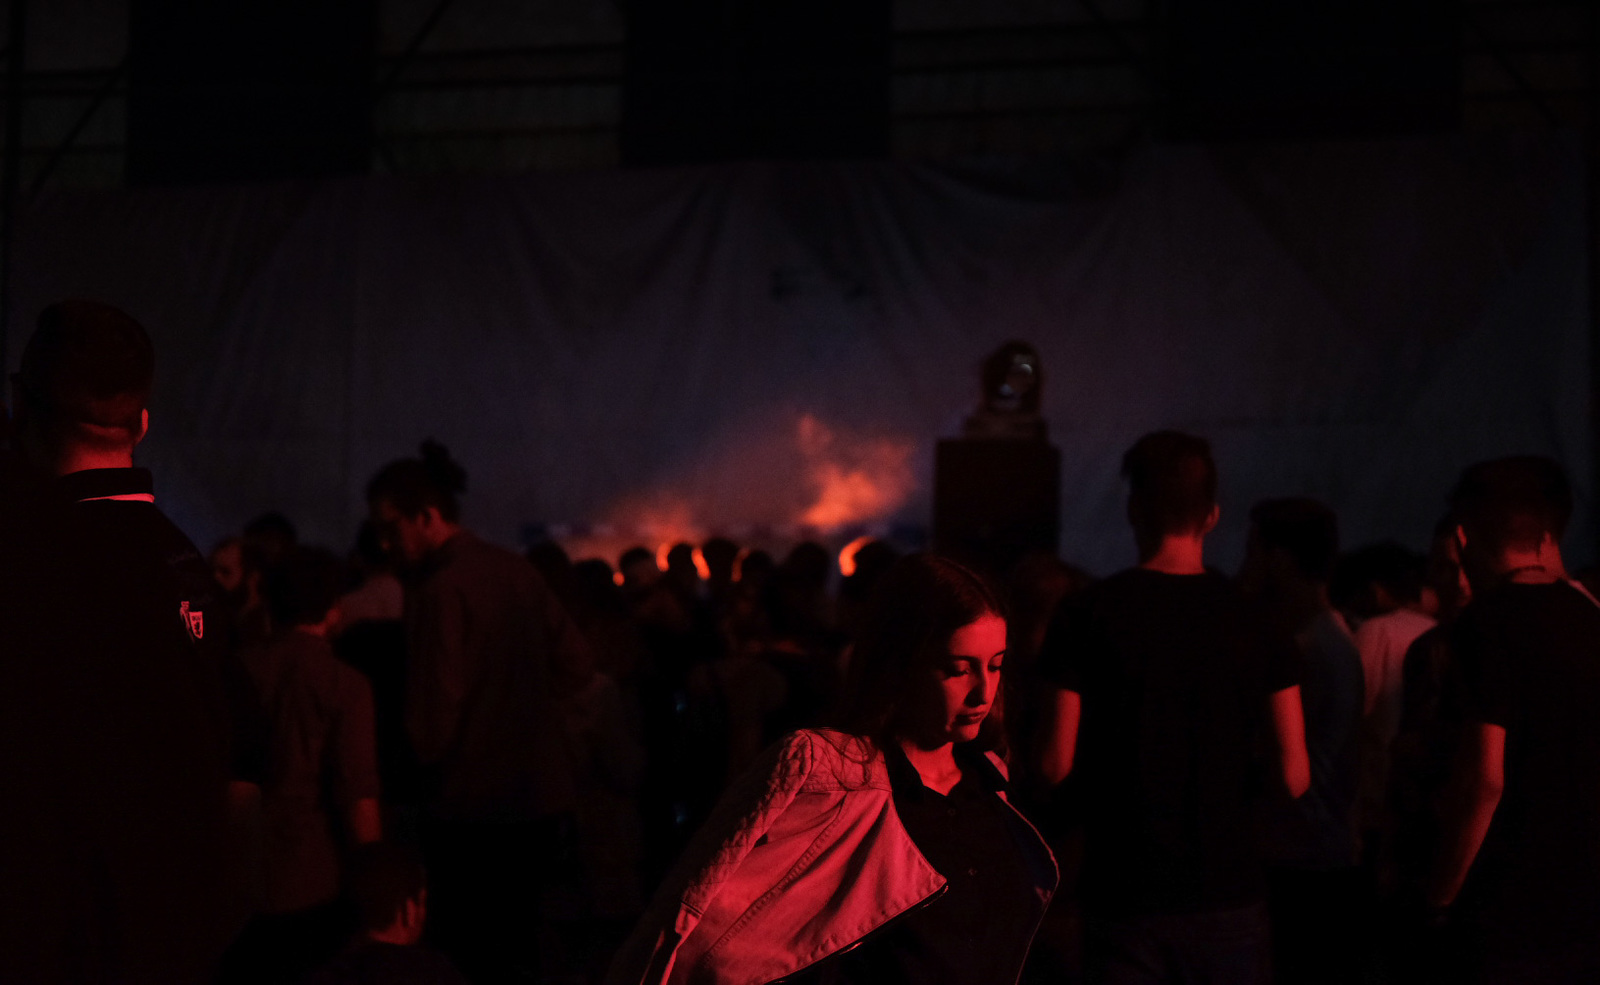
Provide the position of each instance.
(1351, 321)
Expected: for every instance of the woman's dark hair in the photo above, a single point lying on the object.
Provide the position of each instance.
(414, 484)
(915, 608)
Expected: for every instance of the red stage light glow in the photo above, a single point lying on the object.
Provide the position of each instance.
(847, 557)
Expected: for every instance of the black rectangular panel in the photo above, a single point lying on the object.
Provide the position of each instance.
(249, 89)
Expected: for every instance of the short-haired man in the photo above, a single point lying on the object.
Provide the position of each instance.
(320, 795)
(116, 711)
(1522, 859)
(389, 887)
(1166, 681)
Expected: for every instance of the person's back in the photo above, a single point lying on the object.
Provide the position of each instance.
(1531, 657)
(1164, 682)
(1174, 671)
(1521, 860)
(1289, 559)
(119, 732)
(488, 643)
(491, 655)
(321, 760)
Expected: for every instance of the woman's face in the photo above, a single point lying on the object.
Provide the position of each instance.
(956, 692)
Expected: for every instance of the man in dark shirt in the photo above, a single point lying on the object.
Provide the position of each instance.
(320, 796)
(1522, 857)
(1166, 681)
(119, 737)
(491, 656)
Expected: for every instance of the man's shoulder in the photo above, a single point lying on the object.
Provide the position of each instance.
(471, 558)
(1508, 607)
(1143, 581)
(1139, 596)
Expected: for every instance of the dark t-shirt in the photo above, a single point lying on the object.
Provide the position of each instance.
(1174, 672)
(117, 735)
(388, 964)
(321, 759)
(978, 931)
(1530, 657)
(491, 654)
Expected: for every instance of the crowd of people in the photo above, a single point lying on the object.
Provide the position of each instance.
(431, 759)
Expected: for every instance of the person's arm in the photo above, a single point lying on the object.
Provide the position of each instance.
(1289, 729)
(1480, 779)
(365, 820)
(1060, 744)
(355, 754)
(1370, 646)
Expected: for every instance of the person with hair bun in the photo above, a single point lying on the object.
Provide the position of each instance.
(490, 656)
(883, 851)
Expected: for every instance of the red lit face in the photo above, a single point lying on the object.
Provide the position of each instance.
(960, 689)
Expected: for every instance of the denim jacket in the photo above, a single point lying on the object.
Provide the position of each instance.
(803, 857)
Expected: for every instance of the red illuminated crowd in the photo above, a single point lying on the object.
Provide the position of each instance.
(431, 759)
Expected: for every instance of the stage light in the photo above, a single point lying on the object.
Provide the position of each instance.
(847, 557)
(1012, 381)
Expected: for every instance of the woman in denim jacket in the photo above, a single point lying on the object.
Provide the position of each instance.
(883, 851)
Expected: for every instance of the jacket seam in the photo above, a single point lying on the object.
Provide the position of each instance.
(801, 865)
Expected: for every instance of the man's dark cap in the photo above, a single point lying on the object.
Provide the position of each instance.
(88, 363)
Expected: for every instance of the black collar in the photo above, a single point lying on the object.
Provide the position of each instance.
(905, 781)
(101, 483)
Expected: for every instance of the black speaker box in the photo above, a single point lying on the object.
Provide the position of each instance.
(718, 80)
(1311, 68)
(995, 501)
(249, 89)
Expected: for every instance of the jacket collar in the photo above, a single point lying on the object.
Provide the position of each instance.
(907, 782)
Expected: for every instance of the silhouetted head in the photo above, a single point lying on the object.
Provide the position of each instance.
(1172, 487)
(415, 502)
(720, 553)
(302, 587)
(1517, 504)
(807, 565)
(638, 568)
(1377, 579)
(872, 561)
(272, 535)
(1291, 538)
(595, 587)
(681, 569)
(83, 384)
(754, 569)
(905, 681)
(551, 560)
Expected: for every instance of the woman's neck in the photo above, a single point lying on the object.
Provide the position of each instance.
(936, 766)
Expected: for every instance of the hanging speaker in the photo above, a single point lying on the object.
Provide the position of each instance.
(249, 89)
